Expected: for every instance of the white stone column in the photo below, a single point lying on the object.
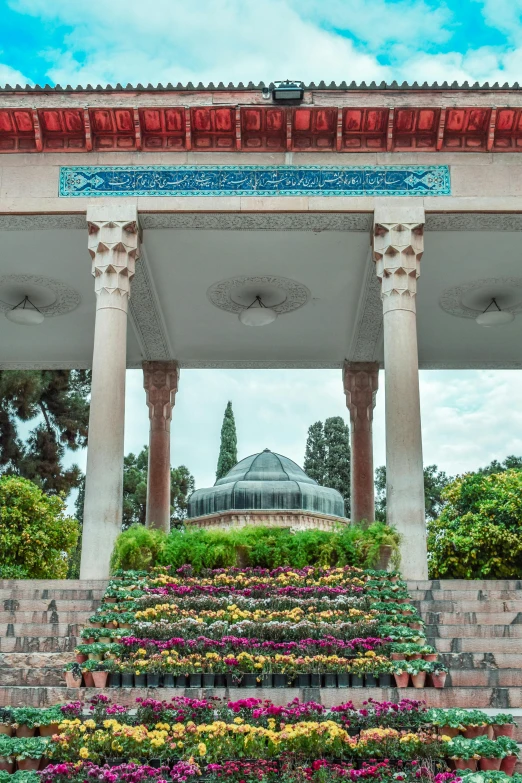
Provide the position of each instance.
(114, 246)
(398, 244)
(160, 380)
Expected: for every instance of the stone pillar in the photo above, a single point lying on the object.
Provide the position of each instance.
(361, 381)
(114, 246)
(398, 244)
(160, 380)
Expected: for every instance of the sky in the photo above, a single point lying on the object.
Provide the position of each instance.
(469, 418)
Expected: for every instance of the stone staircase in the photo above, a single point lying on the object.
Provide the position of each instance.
(476, 626)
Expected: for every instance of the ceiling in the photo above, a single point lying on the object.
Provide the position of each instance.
(172, 316)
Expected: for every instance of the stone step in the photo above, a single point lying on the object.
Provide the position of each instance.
(470, 618)
(494, 606)
(40, 629)
(49, 605)
(42, 643)
(42, 618)
(465, 584)
(43, 676)
(470, 698)
(35, 660)
(469, 660)
(62, 594)
(466, 595)
(474, 631)
(475, 645)
(49, 584)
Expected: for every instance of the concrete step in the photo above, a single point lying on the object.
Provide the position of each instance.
(42, 618)
(474, 631)
(464, 584)
(49, 605)
(493, 606)
(62, 594)
(470, 618)
(42, 643)
(34, 660)
(41, 629)
(53, 584)
(46, 677)
(488, 660)
(476, 645)
(470, 698)
(466, 595)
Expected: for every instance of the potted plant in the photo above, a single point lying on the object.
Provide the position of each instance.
(87, 669)
(6, 719)
(6, 754)
(100, 674)
(510, 757)
(126, 671)
(503, 725)
(462, 753)
(28, 752)
(154, 669)
(418, 670)
(73, 675)
(491, 753)
(50, 719)
(401, 675)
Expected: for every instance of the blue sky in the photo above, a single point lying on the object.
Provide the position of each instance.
(469, 418)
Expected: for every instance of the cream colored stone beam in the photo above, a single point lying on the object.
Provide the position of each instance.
(114, 246)
(398, 244)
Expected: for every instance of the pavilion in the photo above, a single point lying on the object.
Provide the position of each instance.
(192, 202)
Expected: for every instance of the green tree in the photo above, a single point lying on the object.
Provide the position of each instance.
(337, 459)
(228, 446)
(36, 538)
(135, 470)
(510, 463)
(315, 452)
(59, 401)
(435, 481)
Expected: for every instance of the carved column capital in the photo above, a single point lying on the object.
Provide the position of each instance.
(361, 381)
(160, 381)
(398, 245)
(114, 246)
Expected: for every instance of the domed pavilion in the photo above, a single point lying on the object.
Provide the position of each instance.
(267, 490)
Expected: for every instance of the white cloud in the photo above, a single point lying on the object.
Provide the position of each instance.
(12, 76)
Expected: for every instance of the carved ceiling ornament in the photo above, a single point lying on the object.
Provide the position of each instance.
(66, 299)
(451, 299)
(294, 294)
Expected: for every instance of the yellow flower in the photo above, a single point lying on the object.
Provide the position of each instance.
(445, 738)
(202, 748)
(90, 724)
(84, 753)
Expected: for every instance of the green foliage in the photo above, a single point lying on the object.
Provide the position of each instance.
(35, 534)
(135, 470)
(138, 547)
(141, 548)
(327, 456)
(435, 481)
(228, 446)
(59, 401)
(479, 532)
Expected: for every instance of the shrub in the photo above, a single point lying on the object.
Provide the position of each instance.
(358, 545)
(36, 537)
(479, 532)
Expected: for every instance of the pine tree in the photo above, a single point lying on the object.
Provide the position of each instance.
(315, 452)
(59, 401)
(228, 447)
(337, 462)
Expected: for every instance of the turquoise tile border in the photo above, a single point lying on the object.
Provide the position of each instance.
(92, 181)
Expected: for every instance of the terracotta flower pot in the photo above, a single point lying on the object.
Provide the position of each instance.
(508, 765)
(465, 764)
(416, 626)
(48, 731)
(71, 681)
(506, 730)
(439, 679)
(81, 658)
(26, 764)
(88, 680)
(475, 731)
(448, 731)
(6, 764)
(415, 657)
(6, 729)
(397, 656)
(401, 680)
(431, 657)
(25, 731)
(489, 765)
(100, 679)
(418, 680)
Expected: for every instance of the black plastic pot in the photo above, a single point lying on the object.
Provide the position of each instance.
(385, 680)
(168, 681)
(127, 680)
(267, 680)
(208, 680)
(115, 680)
(330, 680)
(152, 680)
(219, 681)
(315, 680)
(154, 763)
(279, 680)
(249, 680)
(343, 680)
(370, 681)
(357, 681)
(115, 761)
(231, 680)
(139, 680)
(181, 680)
(195, 681)
(303, 680)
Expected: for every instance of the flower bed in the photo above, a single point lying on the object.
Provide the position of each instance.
(310, 627)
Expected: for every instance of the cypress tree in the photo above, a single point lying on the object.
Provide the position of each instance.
(228, 447)
(315, 452)
(337, 464)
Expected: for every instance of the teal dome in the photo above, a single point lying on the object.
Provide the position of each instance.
(267, 482)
